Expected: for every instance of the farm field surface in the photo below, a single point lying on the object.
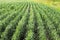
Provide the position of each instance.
(29, 21)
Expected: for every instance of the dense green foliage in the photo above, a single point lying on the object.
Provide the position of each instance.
(29, 21)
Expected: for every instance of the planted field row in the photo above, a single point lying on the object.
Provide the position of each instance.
(29, 21)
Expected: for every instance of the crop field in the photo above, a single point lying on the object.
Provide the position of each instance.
(29, 21)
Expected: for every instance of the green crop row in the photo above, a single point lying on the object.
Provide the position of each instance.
(29, 21)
